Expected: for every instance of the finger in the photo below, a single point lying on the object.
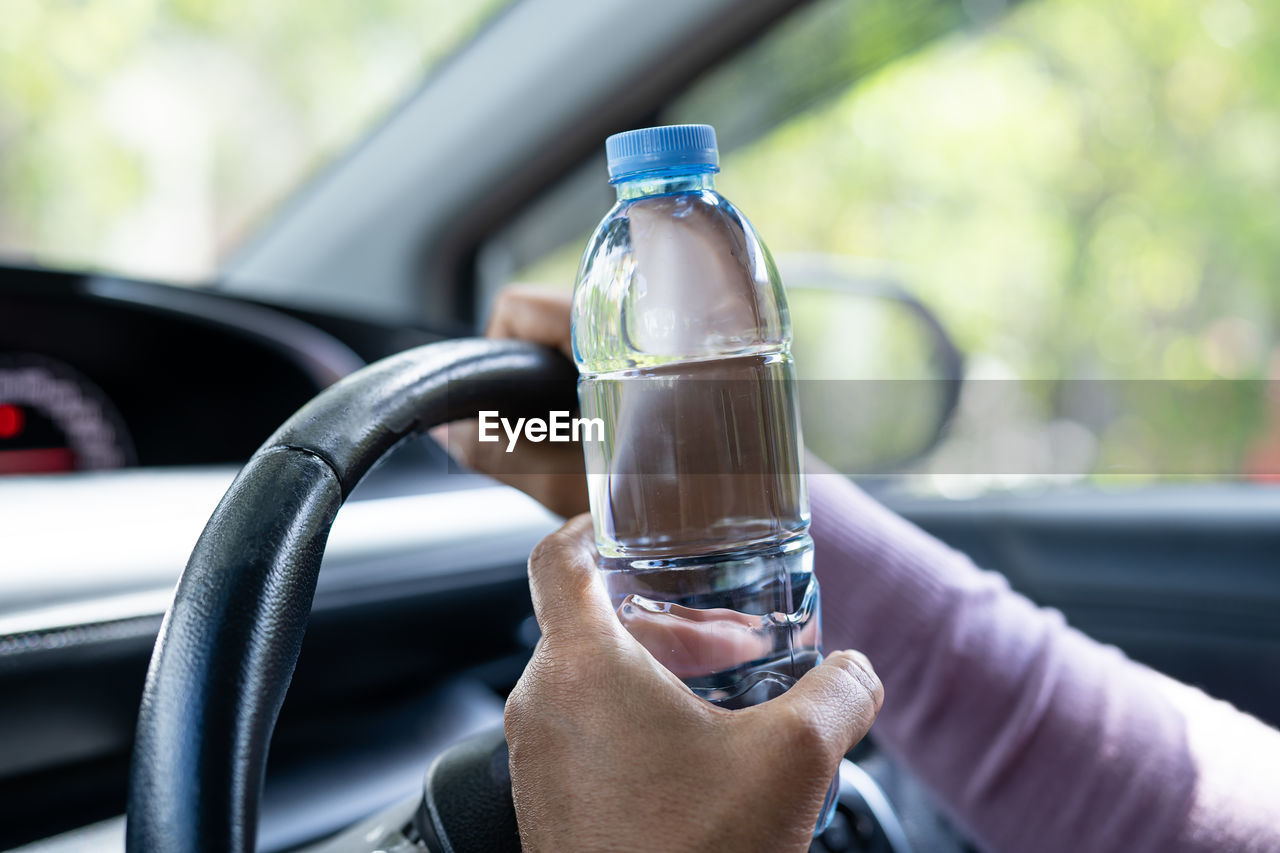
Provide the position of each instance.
(459, 439)
(462, 441)
(684, 641)
(552, 474)
(563, 494)
(533, 313)
(837, 700)
(568, 595)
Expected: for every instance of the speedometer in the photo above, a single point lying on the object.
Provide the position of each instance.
(53, 419)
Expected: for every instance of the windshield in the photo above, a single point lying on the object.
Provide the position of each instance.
(147, 137)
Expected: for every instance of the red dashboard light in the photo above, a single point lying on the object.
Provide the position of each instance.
(11, 420)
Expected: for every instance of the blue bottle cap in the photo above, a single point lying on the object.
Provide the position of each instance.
(669, 147)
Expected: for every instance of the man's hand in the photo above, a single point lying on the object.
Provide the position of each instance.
(553, 473)
(610, 751)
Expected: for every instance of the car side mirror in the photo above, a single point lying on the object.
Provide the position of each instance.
(879, 375)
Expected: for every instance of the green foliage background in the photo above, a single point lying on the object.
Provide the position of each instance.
(1081, 189)
(1084, 188)
(105, 104)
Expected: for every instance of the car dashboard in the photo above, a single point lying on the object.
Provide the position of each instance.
(99, 373)
(126, 409)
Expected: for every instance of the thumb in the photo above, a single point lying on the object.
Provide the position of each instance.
(839, 698)
(568, 595)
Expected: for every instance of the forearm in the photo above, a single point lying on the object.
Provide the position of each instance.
(1034, 736)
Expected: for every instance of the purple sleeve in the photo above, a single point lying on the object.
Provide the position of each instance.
(1032, 736)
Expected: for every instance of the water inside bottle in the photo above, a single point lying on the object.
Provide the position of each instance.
(702, 521)
(743, 644)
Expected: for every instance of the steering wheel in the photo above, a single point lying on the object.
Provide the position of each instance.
(230, 640)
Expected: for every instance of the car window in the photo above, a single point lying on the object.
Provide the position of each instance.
(148, 137)
(1083, 191)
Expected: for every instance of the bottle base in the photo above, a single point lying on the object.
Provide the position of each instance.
(738, 628)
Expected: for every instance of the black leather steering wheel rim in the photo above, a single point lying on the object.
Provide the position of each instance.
(230, 640)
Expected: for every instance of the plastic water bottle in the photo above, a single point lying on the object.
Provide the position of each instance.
(682, 341)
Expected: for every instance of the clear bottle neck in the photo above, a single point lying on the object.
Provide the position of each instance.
(665, 183)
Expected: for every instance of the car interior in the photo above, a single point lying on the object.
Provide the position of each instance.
(344, 321)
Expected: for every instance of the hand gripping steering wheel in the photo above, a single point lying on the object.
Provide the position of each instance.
(230, 640)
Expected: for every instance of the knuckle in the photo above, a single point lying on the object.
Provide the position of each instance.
(860, 681)
(552, 549)
(808, 733)
(546, 709)
(517, 715)
(487, 457)
(546, 679)
(506, 298)
(557, 551)
(463, 452)
(558, 669)
(856, 664)
(505, 305)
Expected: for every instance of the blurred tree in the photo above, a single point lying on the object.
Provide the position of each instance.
(146, 135)
(1082, 189)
